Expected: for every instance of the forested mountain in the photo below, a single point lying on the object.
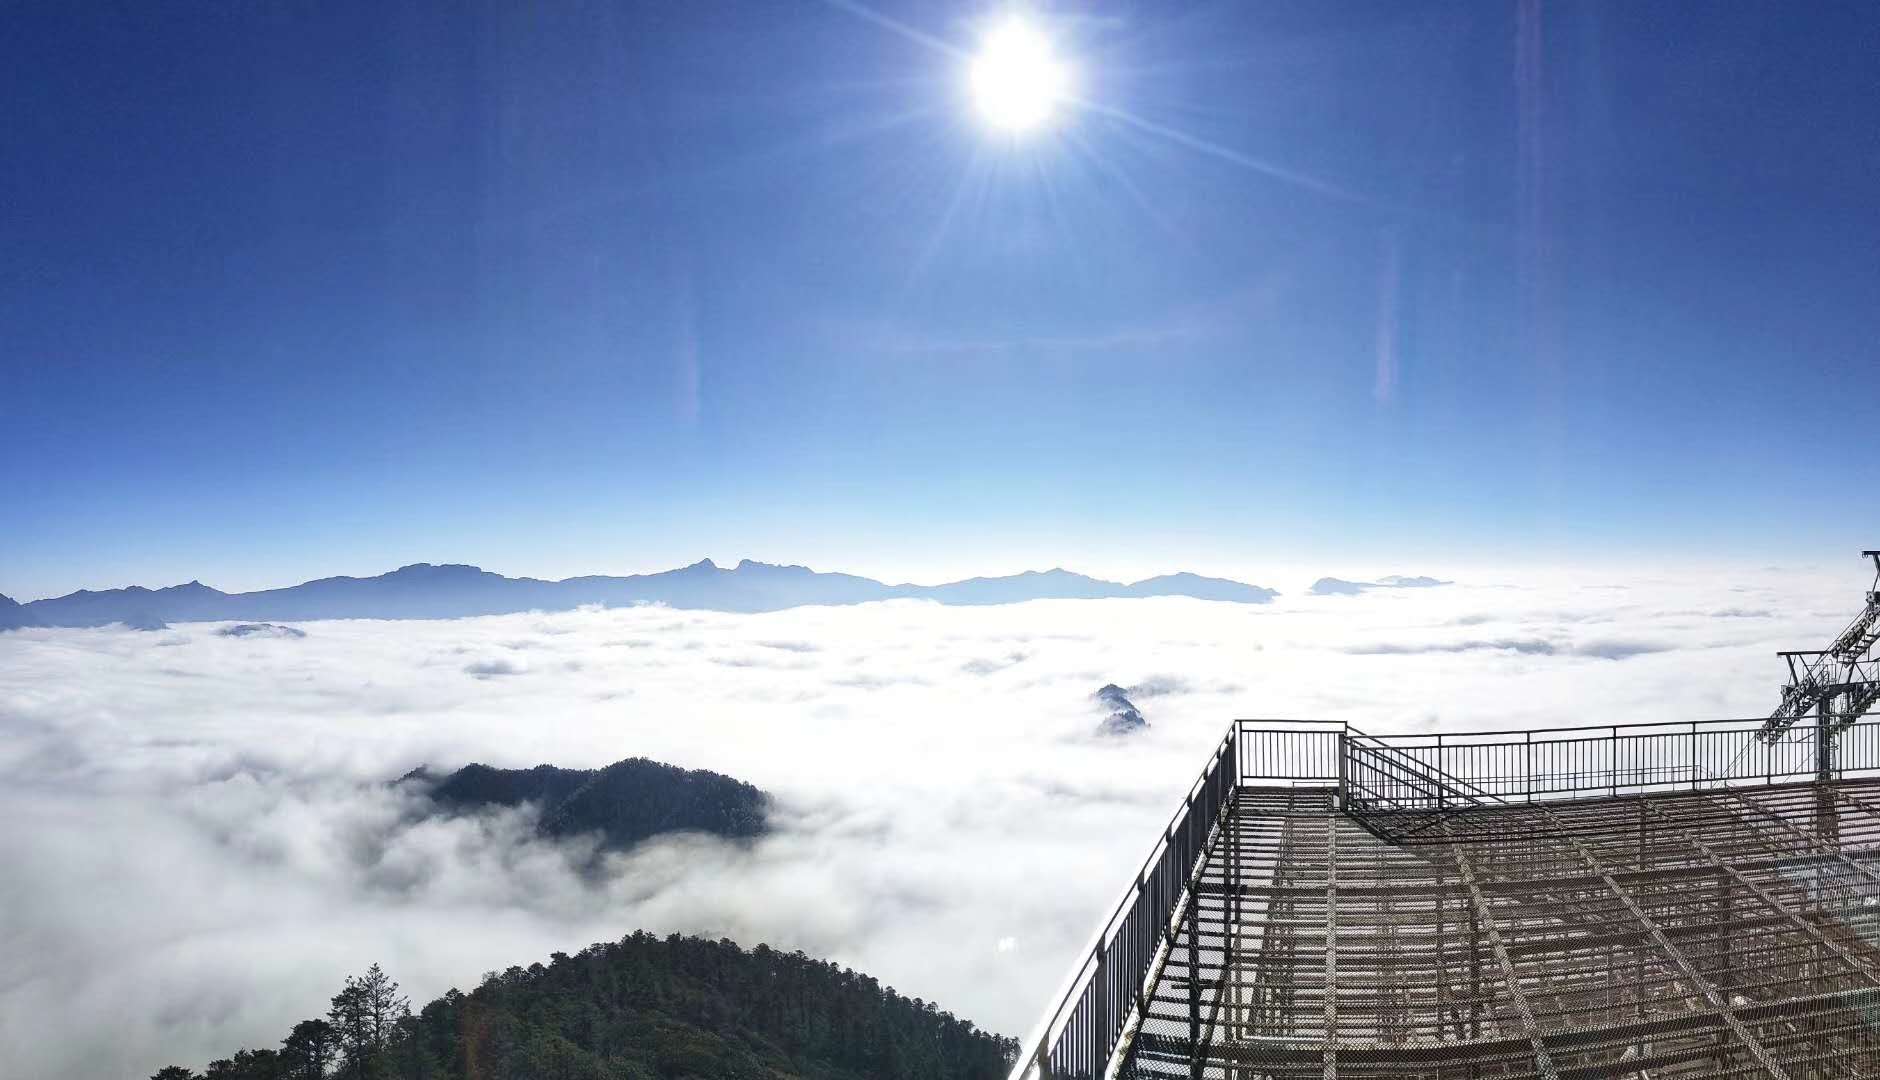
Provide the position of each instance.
(425, 591)
(643, 1008)
(624, 803)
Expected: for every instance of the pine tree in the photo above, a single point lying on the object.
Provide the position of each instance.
(308, 1050)
(364, 1015)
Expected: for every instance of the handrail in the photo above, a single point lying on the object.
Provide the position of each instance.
(1404, 802)
(1038, 1045)
(1473, 733)
(1437, 770)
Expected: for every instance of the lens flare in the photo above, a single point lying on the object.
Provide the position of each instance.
(1017, 79)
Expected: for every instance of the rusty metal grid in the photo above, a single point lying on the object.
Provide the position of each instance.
(1715, 933)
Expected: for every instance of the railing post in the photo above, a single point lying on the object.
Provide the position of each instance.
(1195, 1060)
(1612, 763)
(1342, 798)
(1142, 998)
(1227, 992)
(1442, 800)
(1693, 755)
(1824, 742)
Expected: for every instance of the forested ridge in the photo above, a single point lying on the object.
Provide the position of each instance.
(622, 804)
(643, 1008)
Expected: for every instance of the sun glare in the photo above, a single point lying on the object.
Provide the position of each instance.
(1017, 79)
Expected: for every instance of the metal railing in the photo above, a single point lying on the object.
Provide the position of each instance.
(1406, 788)
(1395, 785)
(1609, 759)
(1104, 993)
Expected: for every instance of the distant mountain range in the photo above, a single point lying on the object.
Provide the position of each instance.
(425, 591)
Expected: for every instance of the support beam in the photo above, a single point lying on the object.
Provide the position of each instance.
(1331, 947)
(1196, 1052)
(1824, 739)
(1486, 917)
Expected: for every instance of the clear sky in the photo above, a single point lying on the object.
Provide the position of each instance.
(298, 289)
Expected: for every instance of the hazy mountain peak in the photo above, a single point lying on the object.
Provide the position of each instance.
(266, 630)
(753, 566)
(1202, 588)
(191, 588)
(1123, 716)
(1331, 586)
(425, 569)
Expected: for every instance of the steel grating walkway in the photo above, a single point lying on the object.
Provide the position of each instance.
(1729, 932)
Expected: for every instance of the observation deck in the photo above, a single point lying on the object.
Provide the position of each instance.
(1662, 901)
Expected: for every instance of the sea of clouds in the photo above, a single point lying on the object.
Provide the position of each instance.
(201, 839)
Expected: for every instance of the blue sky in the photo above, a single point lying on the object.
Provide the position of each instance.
(296, 290)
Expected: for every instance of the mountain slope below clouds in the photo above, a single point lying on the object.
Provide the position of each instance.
(426, 591)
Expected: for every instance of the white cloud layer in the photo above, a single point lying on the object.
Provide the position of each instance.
(200, 842)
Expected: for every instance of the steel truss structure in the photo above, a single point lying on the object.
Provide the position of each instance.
(1653, 901)
(1838, 683)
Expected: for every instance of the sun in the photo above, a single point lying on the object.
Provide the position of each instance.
(1017, 79)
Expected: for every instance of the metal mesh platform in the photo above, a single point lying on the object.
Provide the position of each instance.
(1659, 902)
(1713, 933)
